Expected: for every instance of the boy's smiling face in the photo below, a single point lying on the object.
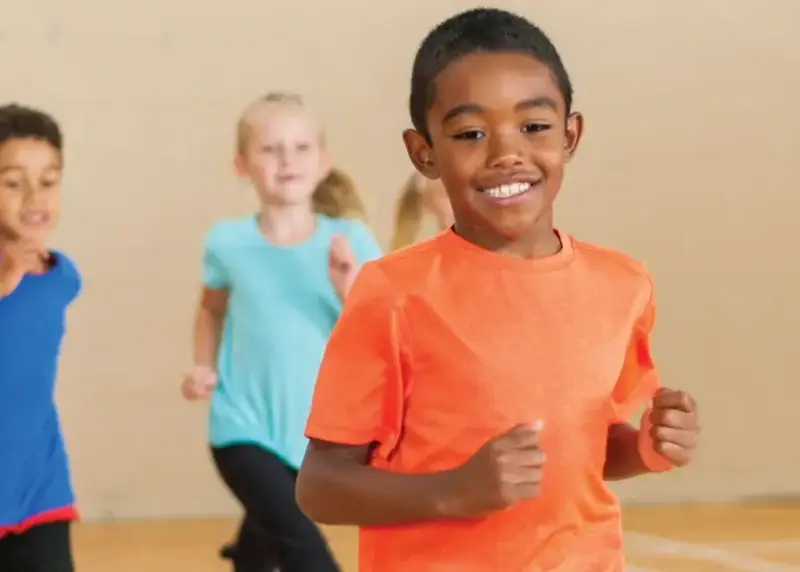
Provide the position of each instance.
(500, 137)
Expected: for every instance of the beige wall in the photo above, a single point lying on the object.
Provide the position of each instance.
(688, 163)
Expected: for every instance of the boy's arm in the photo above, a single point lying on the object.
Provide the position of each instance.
(623, 460)
(336, 486)
(357, 415)
(667, 438)
(637, 384)
(669, 429)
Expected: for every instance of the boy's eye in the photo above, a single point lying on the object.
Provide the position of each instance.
(9, 184)
(267, 149)
(470, 134)
(535, 127)
(303, 147)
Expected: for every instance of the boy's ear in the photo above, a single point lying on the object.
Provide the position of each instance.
(420, 153)
(575, 126)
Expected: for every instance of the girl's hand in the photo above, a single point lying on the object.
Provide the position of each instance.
(199, 383)
(342, 267)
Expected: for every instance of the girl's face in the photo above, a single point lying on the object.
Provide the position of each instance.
(30, 185)
(283, 155)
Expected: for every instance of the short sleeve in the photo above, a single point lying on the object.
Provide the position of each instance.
(638, 381)
(73, 282)
(215, 274)
(364, 245)
(77, 284)
(358, 398)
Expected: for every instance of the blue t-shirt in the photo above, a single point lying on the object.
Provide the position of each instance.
(34, 474)
(281, 309)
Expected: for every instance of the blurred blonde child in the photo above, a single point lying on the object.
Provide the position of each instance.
(273, 286)
(419, 197)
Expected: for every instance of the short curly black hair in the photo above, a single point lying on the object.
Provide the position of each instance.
(478, 30)
(21, 122)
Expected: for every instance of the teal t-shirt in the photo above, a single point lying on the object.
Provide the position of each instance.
(281, 309)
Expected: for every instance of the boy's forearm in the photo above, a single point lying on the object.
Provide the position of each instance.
(346, 493)
(623, 460)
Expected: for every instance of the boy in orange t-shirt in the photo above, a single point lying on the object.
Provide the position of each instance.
(474, 394)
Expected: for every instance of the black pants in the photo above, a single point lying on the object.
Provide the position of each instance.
(274, 534)
(43, 548)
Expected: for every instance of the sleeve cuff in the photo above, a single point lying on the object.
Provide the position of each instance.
(340, 436)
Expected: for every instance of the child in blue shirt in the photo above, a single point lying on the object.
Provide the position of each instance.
(36, 286)
(273, 286)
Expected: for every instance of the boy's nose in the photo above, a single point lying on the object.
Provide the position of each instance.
(505, 152)
(506, 161)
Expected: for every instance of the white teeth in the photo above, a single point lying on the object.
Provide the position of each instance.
(511, 190)
(34, 218)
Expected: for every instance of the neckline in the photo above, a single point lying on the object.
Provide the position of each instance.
(310, 240)
(51, 264)
(546, 263)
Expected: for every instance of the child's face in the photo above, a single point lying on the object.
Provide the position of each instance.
(30, 189)
(283, 157)
(500, 140)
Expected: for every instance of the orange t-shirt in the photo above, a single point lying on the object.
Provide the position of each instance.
(444, 345)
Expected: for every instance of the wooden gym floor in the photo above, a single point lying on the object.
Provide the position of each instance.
(762, 538)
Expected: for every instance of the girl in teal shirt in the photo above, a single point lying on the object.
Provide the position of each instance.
(273, 286)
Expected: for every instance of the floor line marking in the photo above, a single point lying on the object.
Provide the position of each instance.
(778, 544)
(669, 547)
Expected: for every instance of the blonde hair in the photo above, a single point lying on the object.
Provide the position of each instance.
(244, 126)
(336, 195)
(408, 213)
